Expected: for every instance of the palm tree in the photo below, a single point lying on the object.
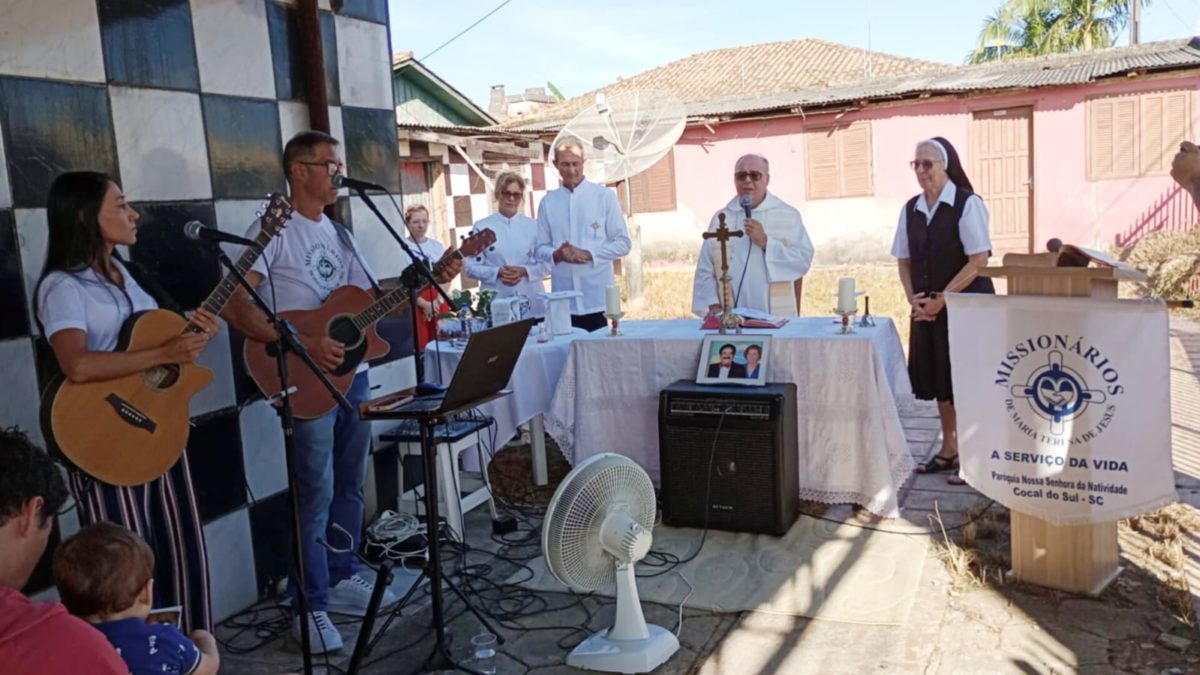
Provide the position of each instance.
(1037, 27)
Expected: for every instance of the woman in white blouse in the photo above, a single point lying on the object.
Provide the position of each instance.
(509, 267)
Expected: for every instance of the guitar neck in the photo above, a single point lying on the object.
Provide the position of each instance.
(397, 297)
(220, 295)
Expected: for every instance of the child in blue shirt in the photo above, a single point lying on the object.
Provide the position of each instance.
(105, 575)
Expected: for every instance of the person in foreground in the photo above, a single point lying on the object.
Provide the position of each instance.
(38, 637)
(775, 250)
(84, 297)
(105, 576)
(581, 231)
(941, 240)
(312, 258)
(1185, 169)
(509, 267)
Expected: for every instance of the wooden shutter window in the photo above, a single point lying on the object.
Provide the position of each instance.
(652, 190)
(838, 161)
(1135, 135)
(856, 160)
(824, 179)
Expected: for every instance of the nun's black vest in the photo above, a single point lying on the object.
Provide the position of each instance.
(936, 252)
(935, 248)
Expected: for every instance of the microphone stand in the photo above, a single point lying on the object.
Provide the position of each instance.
(286, 339)
(411, 281)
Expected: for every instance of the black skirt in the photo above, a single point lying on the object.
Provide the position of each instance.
(929, 359)
(929, 352)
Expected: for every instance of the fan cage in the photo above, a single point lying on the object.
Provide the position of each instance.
(604, 484)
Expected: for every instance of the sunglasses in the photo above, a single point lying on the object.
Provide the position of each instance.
(925, 164)
(752, 175)
(331, 166)
(511, 194)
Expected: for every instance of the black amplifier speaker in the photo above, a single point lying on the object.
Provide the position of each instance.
(753, 484)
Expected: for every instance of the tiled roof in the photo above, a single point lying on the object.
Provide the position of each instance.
(1045, 71)
(751, 70)
(1026, 73)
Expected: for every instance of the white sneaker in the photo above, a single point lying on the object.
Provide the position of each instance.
(352, 595)
(323, 636)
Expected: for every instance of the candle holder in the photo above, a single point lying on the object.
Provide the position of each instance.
(615, 318)
(847, 326)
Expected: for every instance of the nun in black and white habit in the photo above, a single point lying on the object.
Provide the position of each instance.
(941, 238)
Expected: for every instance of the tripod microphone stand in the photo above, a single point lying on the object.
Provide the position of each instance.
(286, 339)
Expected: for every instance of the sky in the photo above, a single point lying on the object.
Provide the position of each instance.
(582, 45)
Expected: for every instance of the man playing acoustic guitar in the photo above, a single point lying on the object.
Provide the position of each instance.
(314, 257)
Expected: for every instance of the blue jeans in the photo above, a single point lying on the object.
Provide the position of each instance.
(331, 465)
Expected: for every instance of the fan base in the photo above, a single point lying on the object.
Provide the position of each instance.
(625, 656)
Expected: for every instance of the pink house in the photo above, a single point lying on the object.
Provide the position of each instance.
(1075, 146)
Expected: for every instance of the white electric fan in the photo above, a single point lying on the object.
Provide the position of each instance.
(596, 528)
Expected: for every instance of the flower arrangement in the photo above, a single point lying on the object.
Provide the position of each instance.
(464, 299)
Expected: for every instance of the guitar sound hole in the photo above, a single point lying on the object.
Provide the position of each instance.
(162, 377)
(343, 330)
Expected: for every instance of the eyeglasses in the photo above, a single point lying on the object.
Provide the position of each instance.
(334, 168)
(511, 194)
(925, 164)
(752, 175)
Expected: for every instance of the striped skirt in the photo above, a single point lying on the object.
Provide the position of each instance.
(164, 513)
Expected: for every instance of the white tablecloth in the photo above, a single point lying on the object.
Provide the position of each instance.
(533, 381)
(852, 447)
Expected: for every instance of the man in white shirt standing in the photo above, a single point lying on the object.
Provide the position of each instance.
(763, 264)
(581, 230)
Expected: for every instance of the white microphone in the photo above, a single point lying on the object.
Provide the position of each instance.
(196, 230)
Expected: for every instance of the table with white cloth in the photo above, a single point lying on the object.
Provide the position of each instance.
(850, 389)
(533, 381)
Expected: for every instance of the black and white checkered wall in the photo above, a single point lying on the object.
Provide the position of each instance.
(188, 105)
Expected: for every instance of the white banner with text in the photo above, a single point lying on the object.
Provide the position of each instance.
(1064, 404)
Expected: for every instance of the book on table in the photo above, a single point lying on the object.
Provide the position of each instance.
(751, 318)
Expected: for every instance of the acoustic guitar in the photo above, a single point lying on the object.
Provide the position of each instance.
(130, 430)
(349, 316)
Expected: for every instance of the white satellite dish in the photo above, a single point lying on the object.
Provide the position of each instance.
(626, 133)
(596, 528)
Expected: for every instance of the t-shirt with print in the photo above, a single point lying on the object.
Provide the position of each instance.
(151, 648)
(307, 261)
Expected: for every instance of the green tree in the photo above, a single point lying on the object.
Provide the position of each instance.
(1036, 27)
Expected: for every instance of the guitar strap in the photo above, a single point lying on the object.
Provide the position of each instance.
(347, 240)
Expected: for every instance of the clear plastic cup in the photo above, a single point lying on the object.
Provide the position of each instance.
(484, 645)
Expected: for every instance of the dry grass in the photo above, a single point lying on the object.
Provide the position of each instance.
(669, 293)
(1155, 543)
(976, 553)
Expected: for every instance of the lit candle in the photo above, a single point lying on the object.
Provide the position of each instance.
(846, 295)
(612, 298)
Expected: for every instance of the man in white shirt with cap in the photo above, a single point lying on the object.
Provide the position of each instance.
(763, 264)
(581, 230)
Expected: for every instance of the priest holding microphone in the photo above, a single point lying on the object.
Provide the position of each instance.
(763, 265)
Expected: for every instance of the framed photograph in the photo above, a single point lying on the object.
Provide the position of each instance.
(734, 359)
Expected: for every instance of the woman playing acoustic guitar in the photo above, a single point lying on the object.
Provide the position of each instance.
(84, 297)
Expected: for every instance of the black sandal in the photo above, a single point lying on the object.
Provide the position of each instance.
(938, 464)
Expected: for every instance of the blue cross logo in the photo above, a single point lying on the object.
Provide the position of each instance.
(1057, 393)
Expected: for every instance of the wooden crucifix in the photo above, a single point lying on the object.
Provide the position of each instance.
(723, 234)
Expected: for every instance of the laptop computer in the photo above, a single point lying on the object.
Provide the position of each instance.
(485, 368)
